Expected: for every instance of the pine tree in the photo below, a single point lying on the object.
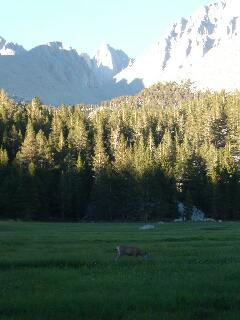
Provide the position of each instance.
(100, 158)
(3, 157)
(102, 185)
(28, 152)
(44, 155)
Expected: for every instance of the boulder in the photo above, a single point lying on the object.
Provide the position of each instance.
(147, 227)
(209, 220)
(197, 215)
(181, 219)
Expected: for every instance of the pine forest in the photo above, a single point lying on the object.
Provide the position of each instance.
(130, 159)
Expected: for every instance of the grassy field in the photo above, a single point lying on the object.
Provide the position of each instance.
(67, 271)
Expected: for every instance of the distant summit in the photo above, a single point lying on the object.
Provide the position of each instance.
(108, 62)
(114, 60)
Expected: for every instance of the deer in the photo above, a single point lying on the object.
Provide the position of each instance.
(130, 251)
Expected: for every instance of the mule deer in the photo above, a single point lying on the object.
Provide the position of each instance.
(130, 251)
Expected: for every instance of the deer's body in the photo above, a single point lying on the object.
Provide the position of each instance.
(129, 251)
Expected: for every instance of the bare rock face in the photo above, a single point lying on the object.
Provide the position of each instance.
(58, 74)
(204, 48)
(108, 62)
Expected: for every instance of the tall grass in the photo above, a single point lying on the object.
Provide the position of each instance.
(67, 271)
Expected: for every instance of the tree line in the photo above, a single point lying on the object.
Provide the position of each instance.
(133, 158)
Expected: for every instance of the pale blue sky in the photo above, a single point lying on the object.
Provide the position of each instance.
(130, 25)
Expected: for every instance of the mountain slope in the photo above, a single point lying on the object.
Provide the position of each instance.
(49, 71)
(204, 48)
(59, 75)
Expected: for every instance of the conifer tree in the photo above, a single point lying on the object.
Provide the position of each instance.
(28, 152)
(102, 177)
(44, 156)
(3, 157)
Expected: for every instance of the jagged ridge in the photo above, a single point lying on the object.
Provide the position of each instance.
(58, 74)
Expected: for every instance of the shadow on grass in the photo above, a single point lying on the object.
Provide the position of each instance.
(60, 264)
(63, 264)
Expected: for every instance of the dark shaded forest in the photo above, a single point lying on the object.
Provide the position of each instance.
(132, 158)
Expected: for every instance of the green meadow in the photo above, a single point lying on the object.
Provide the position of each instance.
(67, 271)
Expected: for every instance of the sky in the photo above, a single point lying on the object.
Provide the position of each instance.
(131, 25)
